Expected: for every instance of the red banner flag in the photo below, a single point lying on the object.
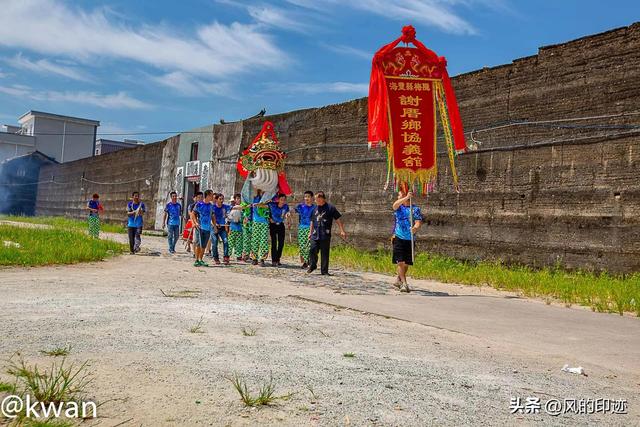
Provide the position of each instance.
(408, 87)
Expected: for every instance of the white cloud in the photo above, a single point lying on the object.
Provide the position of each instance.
(187, 85)
(280, 18)
(52, 27)
(316, 88)
(111, 101)
(433, 13)
(348, 51)
(44, 66)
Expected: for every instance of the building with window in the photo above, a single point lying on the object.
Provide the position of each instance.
(62, 138)
(193, 162)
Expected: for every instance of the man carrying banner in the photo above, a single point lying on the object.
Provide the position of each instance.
(408, 219)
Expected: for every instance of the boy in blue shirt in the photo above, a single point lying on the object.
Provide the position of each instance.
(403, 229)
(259, 230)
(171, 219)
(279, 213)
(220, 229)
(304, 214)
(201, 219)
(135, 211)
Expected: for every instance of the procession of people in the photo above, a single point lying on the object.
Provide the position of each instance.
(255, 223)
(249, 232)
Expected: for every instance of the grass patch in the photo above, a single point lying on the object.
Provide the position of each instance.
(197, 328)
(60, 384)
(265, 396)
(249, 332)
(58, 351)
(7, 387)
(64, 223)
(52, 246)
(349, 355)
(602, 292)
(186, 293)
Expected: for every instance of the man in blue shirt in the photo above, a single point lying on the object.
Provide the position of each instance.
(304, 214)
(220, 229)
(201, 219)
(279, 213)
(259, 229)
(322, 218)
(135, 211)
(402, 251)
(171, 219)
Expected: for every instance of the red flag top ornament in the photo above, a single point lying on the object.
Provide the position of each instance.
(408, 87)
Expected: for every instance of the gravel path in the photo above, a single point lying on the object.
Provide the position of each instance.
(150, 370)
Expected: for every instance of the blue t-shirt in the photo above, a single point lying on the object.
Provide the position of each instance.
(204, 211)
(305, 214)
(173, 211)
(93, 204)
(402, 229)
(278, 213)
(259, 209)
(132, 220)
(221, 213)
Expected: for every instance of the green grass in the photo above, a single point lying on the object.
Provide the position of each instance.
(601, 291)
(348, 355)
(197, 328)
(52, 246)
(249, 332)
(265, 396)
(58, 351)
(61, 382)
(64, 223)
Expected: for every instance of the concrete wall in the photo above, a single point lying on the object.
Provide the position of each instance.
(114, 176)
(561, 192)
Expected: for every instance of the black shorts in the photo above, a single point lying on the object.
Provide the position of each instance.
(401, 251)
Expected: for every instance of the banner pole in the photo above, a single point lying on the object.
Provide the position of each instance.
(413, 255)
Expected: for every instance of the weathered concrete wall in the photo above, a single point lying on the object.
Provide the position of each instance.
(227, 140)
(114, 176)
(592, 76)
(537, 195)
(166, 179)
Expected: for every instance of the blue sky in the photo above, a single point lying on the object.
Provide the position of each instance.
(141, 66)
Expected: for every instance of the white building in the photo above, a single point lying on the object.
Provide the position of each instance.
(62, 138)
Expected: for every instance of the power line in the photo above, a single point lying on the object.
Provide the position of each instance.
(493, 126)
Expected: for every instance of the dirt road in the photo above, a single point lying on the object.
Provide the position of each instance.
(350, 350)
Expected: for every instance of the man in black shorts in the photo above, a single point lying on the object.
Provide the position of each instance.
(402, 253)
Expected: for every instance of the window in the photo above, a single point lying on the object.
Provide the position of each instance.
(194, 151)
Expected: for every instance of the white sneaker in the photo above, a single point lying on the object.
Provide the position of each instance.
(405, 288)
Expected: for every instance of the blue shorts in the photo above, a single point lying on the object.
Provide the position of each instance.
(201, 237)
